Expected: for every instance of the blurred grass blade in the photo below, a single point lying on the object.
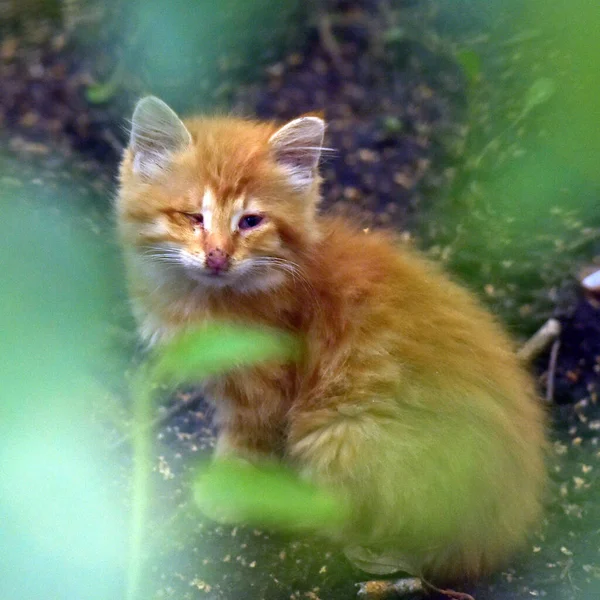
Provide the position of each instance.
(99, 93)
(141, 390)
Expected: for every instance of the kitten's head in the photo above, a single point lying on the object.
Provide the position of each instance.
(224, 202)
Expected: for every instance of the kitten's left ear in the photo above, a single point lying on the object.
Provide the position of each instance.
(297, 147)
(156, 134)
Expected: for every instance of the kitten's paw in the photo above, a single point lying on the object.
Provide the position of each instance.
(378, 563)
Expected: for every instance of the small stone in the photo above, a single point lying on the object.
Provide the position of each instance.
(368, 156)
(351, 193)
(425, 91)
(200, 584)
(572, 376)
(525, 310)
(560, 448)
(8, 48)
(422, 166)
(58, 42)
(295, 59)
(404, 180)
(320, 67)
(275, 70)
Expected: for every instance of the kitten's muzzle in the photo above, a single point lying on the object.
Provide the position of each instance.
(217, 261)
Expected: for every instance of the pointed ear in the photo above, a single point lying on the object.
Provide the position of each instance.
(156, 134)
(297, 147)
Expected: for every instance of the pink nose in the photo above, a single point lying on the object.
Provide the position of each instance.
(217, 260)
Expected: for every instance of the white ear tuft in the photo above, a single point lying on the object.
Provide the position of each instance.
(297, 147)
(156, 134)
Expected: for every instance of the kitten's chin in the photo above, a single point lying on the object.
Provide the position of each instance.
(209, 280)
(242, 283)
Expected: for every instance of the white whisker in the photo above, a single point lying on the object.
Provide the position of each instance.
(161, 254)
(289, 267)
(316, 149)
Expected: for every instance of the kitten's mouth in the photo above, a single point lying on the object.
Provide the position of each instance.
(236, 279)
(212, 277)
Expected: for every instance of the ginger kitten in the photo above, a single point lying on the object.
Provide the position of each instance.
(409, 401)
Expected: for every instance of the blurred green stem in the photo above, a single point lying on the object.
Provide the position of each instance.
(141, 389)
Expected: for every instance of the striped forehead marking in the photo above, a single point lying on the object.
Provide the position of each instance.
(208, 207)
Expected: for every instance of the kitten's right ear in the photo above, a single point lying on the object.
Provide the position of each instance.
(156, 134)
(297, 147)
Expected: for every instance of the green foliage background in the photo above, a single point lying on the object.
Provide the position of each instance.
(62, 526)
(523, 215)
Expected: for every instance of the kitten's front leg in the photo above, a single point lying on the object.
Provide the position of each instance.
(235, 442)
(246, 434)
(246, 450)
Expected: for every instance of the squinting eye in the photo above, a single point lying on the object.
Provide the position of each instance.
(250, 221)
(196, 219)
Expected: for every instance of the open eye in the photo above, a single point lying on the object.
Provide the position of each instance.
(250, 221)
(196, 218)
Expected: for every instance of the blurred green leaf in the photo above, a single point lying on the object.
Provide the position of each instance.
(233, 490)
(102, 92)
(60, 296)
(470, 62)
(218, 347)
(394, 35)
(539, 93)
(193, 356)
(392, 125)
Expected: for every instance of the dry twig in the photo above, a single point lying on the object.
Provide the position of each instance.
(552, 371)
(447, 592)
(540, 340)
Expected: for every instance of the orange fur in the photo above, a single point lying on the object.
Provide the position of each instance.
(409, 400)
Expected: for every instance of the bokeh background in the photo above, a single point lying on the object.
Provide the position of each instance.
(470, 127)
